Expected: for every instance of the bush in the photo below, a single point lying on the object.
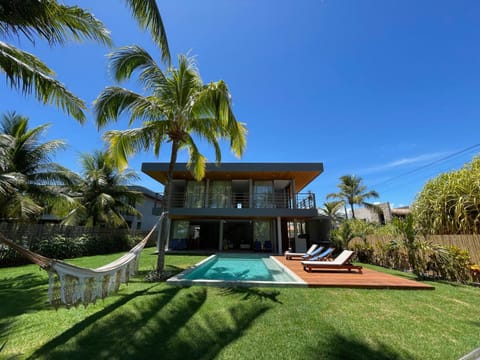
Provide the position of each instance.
(60, 247)
(63, 247)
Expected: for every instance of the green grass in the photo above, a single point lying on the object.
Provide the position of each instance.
(154, 320)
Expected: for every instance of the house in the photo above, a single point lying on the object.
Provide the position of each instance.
(381, 213)
(242, 207)
(150, 201)
(144, 223)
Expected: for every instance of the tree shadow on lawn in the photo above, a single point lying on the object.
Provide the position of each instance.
(98, 316)
(248, 293)
(172, 327)
(338, 347)
(22, 294)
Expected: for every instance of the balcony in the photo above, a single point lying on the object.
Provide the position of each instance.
(243, 201)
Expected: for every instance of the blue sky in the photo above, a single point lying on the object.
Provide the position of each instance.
(386, 90)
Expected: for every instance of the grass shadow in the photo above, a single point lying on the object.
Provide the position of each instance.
(173, 327)
(92, 319)
(252, 293)
(21, 294)
(338, 347)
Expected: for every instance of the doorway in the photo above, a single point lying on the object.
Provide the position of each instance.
(237, 235)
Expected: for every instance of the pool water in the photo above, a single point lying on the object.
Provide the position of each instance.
(237, 268)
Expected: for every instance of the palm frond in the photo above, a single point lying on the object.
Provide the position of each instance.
(148, 16)
(51, 21)
(112, 102)
(29, 75)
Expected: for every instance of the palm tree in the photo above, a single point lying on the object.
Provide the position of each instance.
(353, 192)
(178, 110)
(102, 196)
(29, 181)
(57, 24)
(332, 210)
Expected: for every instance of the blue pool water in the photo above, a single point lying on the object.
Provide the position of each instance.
(237, 268)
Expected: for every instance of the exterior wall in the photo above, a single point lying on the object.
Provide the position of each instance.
(149, 218)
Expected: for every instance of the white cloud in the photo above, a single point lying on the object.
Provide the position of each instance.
(404, 162)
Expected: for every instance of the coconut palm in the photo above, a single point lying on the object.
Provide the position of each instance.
(57, 24)
(29, 181)
(332, 209)
(353, 192)
(179, 109)
(102, 196)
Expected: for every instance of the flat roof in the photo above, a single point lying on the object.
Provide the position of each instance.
(302, 173)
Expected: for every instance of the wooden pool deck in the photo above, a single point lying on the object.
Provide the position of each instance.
(368, 279)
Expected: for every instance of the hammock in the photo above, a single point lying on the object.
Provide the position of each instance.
(72, 285)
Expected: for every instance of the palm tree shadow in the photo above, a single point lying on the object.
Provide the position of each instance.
(338, 347)
(92, 319)
(21, 294)
(253, 293)
(172, 328)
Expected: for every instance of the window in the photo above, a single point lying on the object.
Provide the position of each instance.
(220, 194)
(263, 194)
(195, 194)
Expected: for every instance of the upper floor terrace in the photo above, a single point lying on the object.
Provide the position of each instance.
(241, 189)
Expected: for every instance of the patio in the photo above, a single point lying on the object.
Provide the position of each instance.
(368, 279)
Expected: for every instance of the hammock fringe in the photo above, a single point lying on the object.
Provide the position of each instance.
(72, 285)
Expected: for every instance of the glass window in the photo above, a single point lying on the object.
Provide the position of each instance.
(263, 194)
(220, 194)
(180, 232)
(195, 194)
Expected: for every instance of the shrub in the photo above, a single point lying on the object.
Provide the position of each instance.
(60, 247)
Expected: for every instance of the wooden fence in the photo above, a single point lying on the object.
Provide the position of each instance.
(465, 242)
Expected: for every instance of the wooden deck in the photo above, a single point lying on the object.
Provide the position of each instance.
(368, 279)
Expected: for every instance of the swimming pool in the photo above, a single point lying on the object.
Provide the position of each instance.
(238, 270)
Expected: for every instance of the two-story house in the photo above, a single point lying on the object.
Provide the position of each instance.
(242, 206)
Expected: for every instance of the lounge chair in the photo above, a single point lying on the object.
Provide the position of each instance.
(321, 256)
(342, 261)
(303, 256)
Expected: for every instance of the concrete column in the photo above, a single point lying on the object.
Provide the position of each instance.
(279, 235)
(220, 240)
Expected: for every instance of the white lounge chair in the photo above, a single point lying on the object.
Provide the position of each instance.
(341, 262)
(305, 255)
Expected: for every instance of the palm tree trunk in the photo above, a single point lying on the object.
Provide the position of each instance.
(353, 212)
(168, 196)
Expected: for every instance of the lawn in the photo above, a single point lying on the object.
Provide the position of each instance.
(154, 320)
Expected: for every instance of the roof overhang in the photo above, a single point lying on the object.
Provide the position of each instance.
(302, 173)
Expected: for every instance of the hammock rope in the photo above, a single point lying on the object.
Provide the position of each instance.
(72, 285)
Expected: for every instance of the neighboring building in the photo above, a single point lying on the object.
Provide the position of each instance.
(381, 214)
(150, 201)
(242, 206)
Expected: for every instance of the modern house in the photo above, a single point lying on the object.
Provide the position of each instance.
(242, 207)
(150, 201)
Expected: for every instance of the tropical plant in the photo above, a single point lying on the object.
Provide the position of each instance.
(57, 23)
(179, 109)
(415, 248)
(102, 196)
(353, 192)
(342, 236)
(332, 209)
(30, 182)
(450, 203)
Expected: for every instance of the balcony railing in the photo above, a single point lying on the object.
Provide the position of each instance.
(243, 200)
